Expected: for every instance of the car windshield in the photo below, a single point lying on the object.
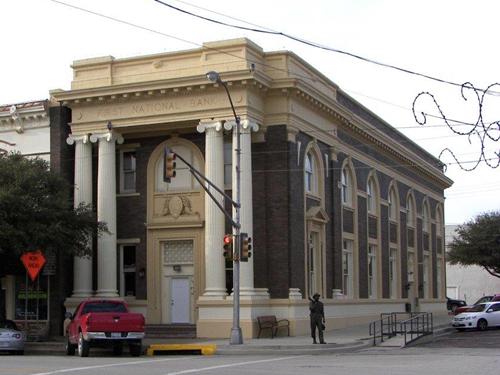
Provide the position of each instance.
(483, 299)
(103, 307)
(477, 308)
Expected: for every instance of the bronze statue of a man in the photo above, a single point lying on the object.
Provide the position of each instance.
(317, 316)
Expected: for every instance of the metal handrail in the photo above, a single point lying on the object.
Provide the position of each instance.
(413, 326)
(421, 324)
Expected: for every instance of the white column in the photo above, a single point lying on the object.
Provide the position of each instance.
(82, 266)
(246, 211)
(215, 275)
(106, 212)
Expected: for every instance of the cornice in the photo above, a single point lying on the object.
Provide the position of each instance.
(362, 128)
(23, 116)
(169, 87)
(260, 82)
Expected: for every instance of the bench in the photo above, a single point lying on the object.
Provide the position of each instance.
(271, 323)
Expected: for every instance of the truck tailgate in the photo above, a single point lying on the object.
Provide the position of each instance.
(115, 322)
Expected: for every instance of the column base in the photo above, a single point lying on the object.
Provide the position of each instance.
(82, 293)
(252, 294)
(214, 294)
(107, 293)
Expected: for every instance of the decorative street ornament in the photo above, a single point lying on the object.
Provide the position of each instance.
(33, 262)
(486, 133)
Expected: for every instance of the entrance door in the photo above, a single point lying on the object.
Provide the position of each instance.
(179, 304)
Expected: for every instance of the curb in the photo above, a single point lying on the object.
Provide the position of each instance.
(203, 349)
(291, 349)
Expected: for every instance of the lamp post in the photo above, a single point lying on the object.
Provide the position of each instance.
(236, 336)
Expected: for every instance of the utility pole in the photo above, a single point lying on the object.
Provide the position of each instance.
(236, 335)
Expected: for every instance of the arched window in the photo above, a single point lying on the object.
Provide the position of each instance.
(346, 187)
(183, 180)
(309, 174)
(439, 221)
(371, 198)
(393, 206)
(426, 218)
(410, 211)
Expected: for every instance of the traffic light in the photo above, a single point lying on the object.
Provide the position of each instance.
(168, 165)
(228, 247)
(246, 247)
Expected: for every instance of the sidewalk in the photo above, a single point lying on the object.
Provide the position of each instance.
(337, 341)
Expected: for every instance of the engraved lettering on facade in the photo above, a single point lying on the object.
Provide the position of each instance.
(161, 107)
(110, 112)
(203, 101)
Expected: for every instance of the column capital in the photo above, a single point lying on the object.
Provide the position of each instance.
(204, 125)
(246, 124)
(72, 139)
(108, 137)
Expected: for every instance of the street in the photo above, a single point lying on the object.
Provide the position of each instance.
(370, 362)
(432, 359)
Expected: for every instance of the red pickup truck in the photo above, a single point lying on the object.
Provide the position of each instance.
(104, 323)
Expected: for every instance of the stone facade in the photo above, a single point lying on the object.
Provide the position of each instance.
(313, 228)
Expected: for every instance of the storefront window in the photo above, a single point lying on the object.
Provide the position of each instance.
(31, 298)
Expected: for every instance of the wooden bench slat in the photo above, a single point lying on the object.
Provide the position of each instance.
(272, 323)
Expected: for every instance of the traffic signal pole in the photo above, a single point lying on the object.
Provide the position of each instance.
(236, 335)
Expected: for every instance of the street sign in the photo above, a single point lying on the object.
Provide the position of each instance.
(33, 261)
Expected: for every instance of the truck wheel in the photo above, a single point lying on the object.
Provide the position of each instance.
(83, 346)
(70, 348)
(118, 349)
(135, 349)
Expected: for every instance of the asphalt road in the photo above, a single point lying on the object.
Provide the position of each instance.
(468, 339)
(414, 361)
(457, 353)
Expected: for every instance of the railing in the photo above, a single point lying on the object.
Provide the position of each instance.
(411, 325)
(419, 325)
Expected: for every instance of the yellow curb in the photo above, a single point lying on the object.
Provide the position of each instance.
(205, 349)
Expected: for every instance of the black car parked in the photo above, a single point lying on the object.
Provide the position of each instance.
(452, 304)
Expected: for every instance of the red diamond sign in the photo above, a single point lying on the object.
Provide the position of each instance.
(33, 261)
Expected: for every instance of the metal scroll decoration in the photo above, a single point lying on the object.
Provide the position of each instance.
(485, 132)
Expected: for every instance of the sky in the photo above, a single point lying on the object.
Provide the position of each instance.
(453, 41)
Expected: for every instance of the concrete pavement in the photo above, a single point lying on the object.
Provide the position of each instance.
(337, 341)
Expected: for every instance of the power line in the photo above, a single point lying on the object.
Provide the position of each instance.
(315, 45)
(210, 48)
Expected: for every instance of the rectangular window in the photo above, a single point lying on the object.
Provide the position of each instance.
(411, 267)
(347, 268)
(372, 271)
(128, 171)
(425, 281)
(127, 270)
(393, 273)
(31, 298)
(438, 277)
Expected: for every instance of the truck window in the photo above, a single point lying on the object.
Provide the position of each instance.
(103, 307)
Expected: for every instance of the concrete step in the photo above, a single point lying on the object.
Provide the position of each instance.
(167, 331)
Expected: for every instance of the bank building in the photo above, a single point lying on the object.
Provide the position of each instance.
(335, 199)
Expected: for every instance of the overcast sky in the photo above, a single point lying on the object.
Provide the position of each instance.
(455, 41)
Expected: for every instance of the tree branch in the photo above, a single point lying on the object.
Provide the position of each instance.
(491, 272)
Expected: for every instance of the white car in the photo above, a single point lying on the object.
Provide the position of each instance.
(480, 316)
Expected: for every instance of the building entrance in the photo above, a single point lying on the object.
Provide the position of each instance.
(177, 290)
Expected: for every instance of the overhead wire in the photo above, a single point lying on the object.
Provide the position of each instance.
(128, 23)
(315, 45)
(221, 51)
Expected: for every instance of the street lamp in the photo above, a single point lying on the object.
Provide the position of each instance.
(236, 336)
